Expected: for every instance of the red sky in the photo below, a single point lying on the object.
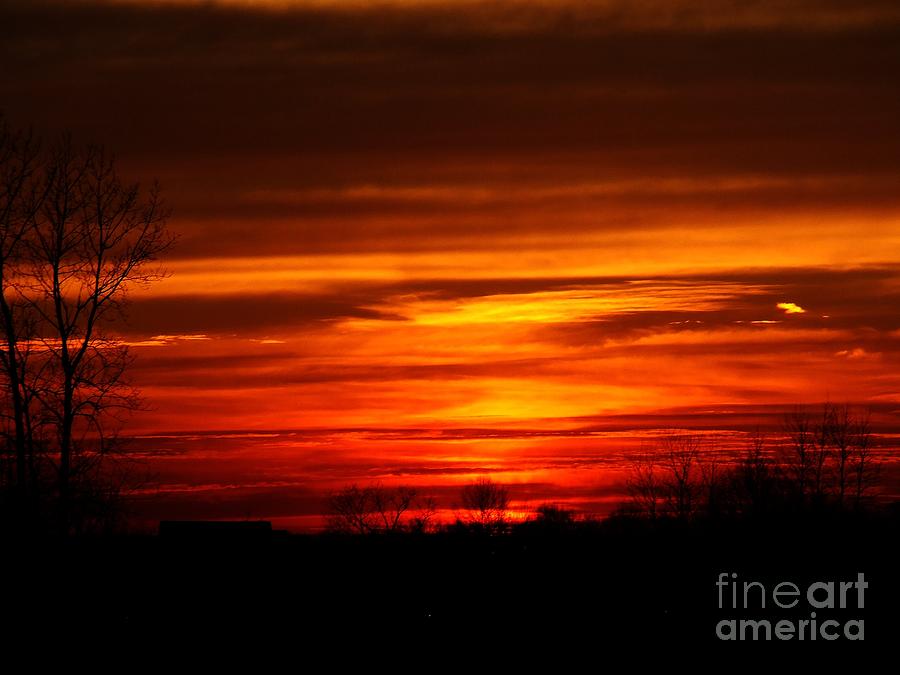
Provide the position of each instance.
(423, 241)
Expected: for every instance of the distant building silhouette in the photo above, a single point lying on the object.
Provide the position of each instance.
(218, 530)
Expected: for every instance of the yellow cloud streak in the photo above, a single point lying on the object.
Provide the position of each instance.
(573, 305)
(791, 308)
(630, 252)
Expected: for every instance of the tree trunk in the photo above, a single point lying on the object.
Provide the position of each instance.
(15, 390)
(65, 455)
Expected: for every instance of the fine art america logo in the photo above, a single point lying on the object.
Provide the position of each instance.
(823, 600)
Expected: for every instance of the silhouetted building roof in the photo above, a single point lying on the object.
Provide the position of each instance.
(215, 529)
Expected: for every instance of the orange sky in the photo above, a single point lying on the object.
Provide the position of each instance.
(422, 241)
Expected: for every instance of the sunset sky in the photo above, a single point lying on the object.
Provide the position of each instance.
(423, 241)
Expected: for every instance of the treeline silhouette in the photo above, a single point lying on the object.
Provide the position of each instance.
(377, 509)
(822, 464)
(555, 580)
(826, 462)
(801, 506)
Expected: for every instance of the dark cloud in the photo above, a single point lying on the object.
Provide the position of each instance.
(247, 314)
(222, 101)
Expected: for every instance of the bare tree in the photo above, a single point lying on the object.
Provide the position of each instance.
(712, 485)
(487, 503)
(425, 517)
(644, 485)
(95, 238)
(831, 457)
(756, 478)
(821, 455)
(351, 510)
(864, 467)
(679, 453)
(75, 239)
(391, 505)
(668, 479)
(840, 427)
(799, 458)
(19, 200)
(376, 508)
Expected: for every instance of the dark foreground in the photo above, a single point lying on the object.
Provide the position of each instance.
(591, 586)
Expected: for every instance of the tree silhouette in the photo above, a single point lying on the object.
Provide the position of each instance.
(644, 486)
(669, 479)
(76, 238)
(864, 467)
(19, 161)
(680, 454)
(756, 483)
(376, 508)
(830, 455)
(487, 503)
